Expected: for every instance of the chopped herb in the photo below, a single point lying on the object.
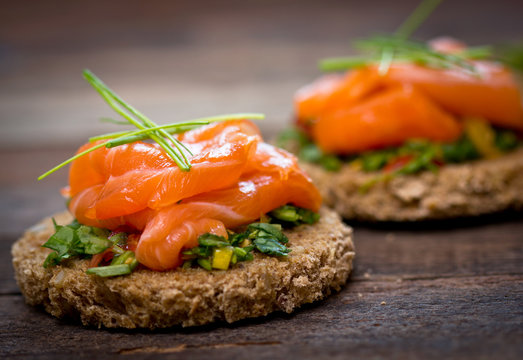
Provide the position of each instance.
(292, 139)
(119, 238)
(258, 230)
(75, 240)
(111, 270)
(212, 252)
(123, 258)
(211, 240)
(52, 259)
(511, 55)
(330, 162)
(94, 240)
(311, 153)
(205, 263)
(376, 160)
(237, 239)
(506, 140)
(270, 246)
(289, 214)
(217, 252)
(72, 240)
(459, 151)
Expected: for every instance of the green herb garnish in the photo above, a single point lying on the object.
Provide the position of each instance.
(511, 55)
(212, 252)
(385, 49)
(217, 252)
(289, 214)
(75, 240)
(147, 129)
(270, 246)
(111, 270)
(72, 240)
(426, 155)
(459, 151)
(506, 140)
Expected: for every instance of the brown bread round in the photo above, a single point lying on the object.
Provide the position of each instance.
(320, 261)
(469, 189)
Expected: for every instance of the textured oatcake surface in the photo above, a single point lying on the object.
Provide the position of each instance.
(320, 261)
(473, 188)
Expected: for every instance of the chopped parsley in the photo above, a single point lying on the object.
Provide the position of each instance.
(421, 154)
(212, 252)
(217, 252)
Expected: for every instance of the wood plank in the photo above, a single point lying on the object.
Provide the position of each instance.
(467, 318)
(491, 244)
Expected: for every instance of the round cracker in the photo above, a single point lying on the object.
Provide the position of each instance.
(456, 190)
(320, 261)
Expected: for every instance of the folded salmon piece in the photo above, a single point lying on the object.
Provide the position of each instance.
(385, 119)
(337, 109)
(492, 93)
(235, 178)
(333, 91)
(140, 175)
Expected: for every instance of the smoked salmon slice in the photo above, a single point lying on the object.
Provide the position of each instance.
(492, 94)
(353, 112)
(331, 91)
(250, 198)
(235, 178)
(386, 119)
(140, 175)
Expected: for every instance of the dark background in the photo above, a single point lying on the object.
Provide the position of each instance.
(177, 60)
(428, 291)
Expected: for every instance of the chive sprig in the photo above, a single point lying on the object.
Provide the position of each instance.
(383, 50)
(147, 129)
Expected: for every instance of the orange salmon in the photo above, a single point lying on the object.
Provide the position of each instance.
(140, 175)
(235, 178)
(347, 107)
(386, 119)
(493, 94)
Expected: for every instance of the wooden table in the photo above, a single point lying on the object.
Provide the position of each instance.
(437, 290)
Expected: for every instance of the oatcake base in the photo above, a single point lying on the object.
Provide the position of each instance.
(473, 188)
(320, 261)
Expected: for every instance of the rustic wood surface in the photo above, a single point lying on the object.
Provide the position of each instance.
(431, 290)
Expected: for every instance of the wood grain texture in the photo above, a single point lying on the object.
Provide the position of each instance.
(379, 319)
(431, 290)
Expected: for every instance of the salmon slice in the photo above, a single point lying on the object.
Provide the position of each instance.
(331, 91)
(164, 253)
(207, 133)
(250, 198)
(261, 189)
(222, 189)
(493, 94)
(82, 201)
(387, 119)
(140, 175)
